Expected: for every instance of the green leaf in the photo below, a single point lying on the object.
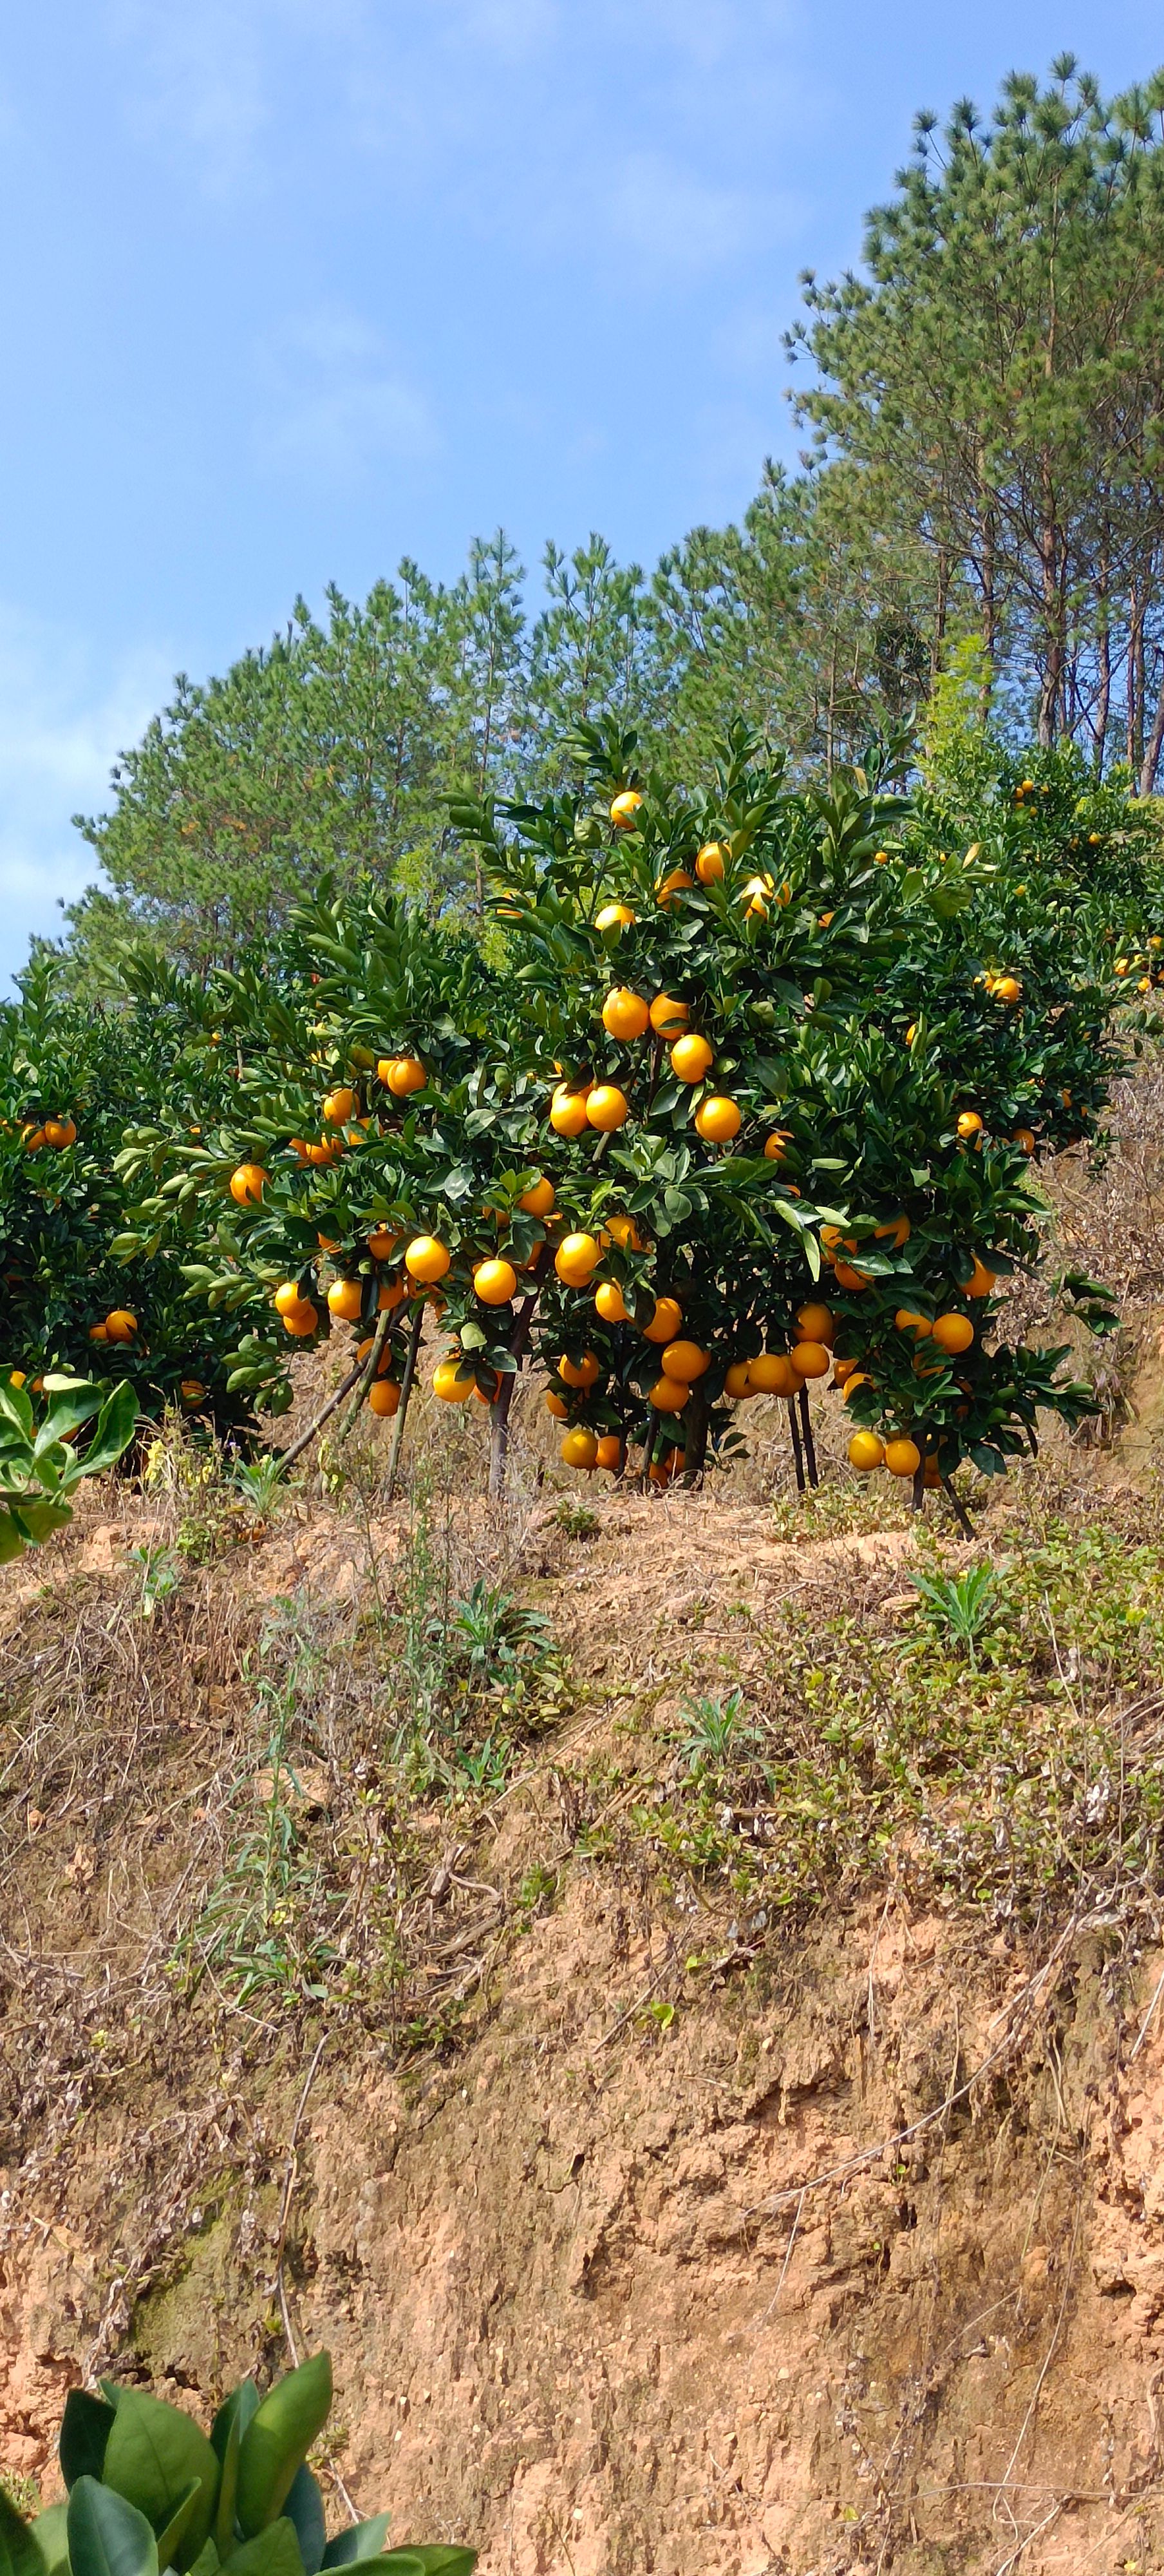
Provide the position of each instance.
(12, 1543)
(226, 2434)
(39, 1520)
(304, 2509)
(86, 2425)
(71, 1402)
(426, 2558)
(171, 2537)
(107, 2536)
(364, 2540)
(281, 2434)
(272, 2552)
(51, 2533)
(20, 2551)
(153, 2454)
(114, 1429)
(16, 1408)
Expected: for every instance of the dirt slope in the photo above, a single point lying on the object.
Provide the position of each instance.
(658, 2230)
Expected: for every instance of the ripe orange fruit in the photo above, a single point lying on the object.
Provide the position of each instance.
(843, 1370)
(1025, 1137)
(623, 1231)
(981, 1281)
(771, 1374)
(327, 1151)
(192, 1390)
(60, 1132)
(1122, 966)
(908, 1320)
(866, 1452)
(120, 1326)
(665, 1321)
(345, 1298)
(669, 1394)
(390, 1296)
(607, 1107)
(97, 1333)
(301, 1321)
(247, 1184)
(287, 1297)
(737, 1381)
(382, 1244)
(610, 1304)
(538, 1199)
(690, 1058)
(427, 1258)
(580, 1373)
(860, 1377)
(625, 1014)
(847, 1277)
(495, 1282)
(902, 1457)
(384, 1397)
(897, 1232)
(576, 1260)
(817, 1324)
(685, 1360)
(811, 1358)
(557, 1405)
(338, 1106)
(568, 1111)
(953, 1333)
(405, 1075)
(756, 897)
(668, 1015)
(775, 1147)
(579, 1448)
(933, 1475)
(671, 885)
(826, 918)
(448, 1383)
(32, 1138)
(969, 1124)
(718, 1119)
(709, 866)
(911, 1033)
(614, 916)
(609, 1452)
(625, 808)
(1008, 989)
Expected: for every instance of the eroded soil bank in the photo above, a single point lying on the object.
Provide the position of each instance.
(659, 2227)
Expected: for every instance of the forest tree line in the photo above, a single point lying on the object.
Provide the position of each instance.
(982, 406)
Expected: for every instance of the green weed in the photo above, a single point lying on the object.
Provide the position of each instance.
(263, 1926)
(1009, 1748)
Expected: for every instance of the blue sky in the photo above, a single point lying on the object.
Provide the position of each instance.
(294, 287)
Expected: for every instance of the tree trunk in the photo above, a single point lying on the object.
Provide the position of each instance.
(1103, 702)
(499, 1410)
(696, 1424)
(1154, 746)
(1051, 679)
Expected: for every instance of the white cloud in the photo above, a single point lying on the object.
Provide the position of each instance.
(332, 401)
(61, 728)
(195, 82)
(674, 219)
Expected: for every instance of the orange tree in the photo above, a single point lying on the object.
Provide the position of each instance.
(747, 1091)
(871, 1035)
(372, 1160)
(71, 1076)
